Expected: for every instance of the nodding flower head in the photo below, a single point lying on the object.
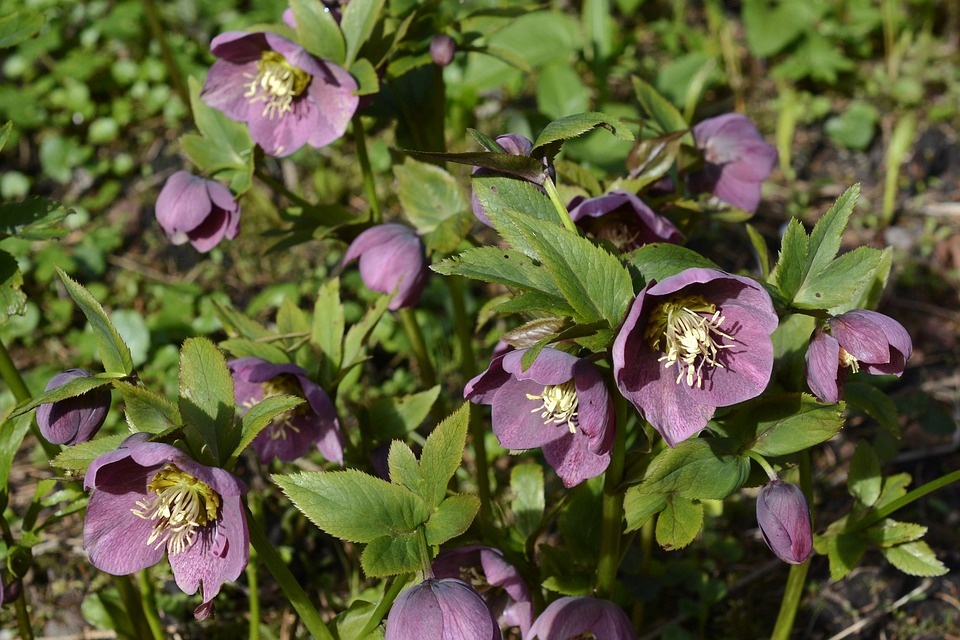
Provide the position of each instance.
(392, 259)
(582, 618)
(693, 342)
(150, 498)
(196, 210)
(623, 220)
(287, 97)
(784, 519)
(441, 609)
(73, 420)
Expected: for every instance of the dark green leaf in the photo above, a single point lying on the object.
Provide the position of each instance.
(243, 348)
(661, 259)
(395, 417)
(784, 423)
(18, 26)
(520, 166)
(527, 504)
(791, 265)
(875, 403)
(13, 302)
(32, 219)
(639, 507)
(504, 266)
(549, 141)
(701, 468)
(863, 477)
(113, 351)
(357, 22)
(206, 401)
(79, 456)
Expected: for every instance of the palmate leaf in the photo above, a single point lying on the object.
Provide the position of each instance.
(701, 468)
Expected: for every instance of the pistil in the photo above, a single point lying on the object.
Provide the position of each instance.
(559, 404)
(179, 505)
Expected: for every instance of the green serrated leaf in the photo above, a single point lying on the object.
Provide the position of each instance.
(237, 323)
(451, 518)
(18, 26)
(5, 130)
(244, 348)
(79, 456)
(524, 167)
(889, 532)
(391, 555)
(639, 507)
(395, 417)
(258, 417)
(915, 559)
(113, 351)
(844, 552)
(504, 266)
(783, 423)
(428, 194)
(701, 468)
(73, 388)
(357, 23)
(219, 130)
(13, 301)
(863, 476)
(32, 219)
(354, 506)
(528, 503)
(759, 245)
(791, 265)
(661, 259)
(679, 523)
(355, 343)
(329, 322)
(894, 488)
(368, 82)
(827, 233)
(594, 282)
(146, 410)
(442, 454)
(553, 136)
(404, 467)
(206, 401)
(667, 116)
(844, 279)
(318, 31)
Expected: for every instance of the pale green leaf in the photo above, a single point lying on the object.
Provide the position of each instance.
(206, 401)
(318, 31)
(113, 351)
(428, 194)
(451, 518)
(78, 457)
(147, 410)
(915, 559)
(391, 555)
(442, 454)
(679, 523)
(527, 503)
(358, 20)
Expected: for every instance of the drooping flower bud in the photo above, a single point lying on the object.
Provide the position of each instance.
(784, 519)
(582, 617)
(196, 210)
(392, 259)
(73, 420)
(442, 48)
(446, 609)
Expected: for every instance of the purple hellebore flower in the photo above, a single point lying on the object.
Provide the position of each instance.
(392, 258)
(622, 219)
(852, 341)
(693, 342)
(293, 433)
(73, 420)
(497, 581)
(582, 617)
(515, 145)
(194, 209)
(151, 497)
(559, 404)
(442, 48)
(441, 609)
(287, 97)
(784, 519)
(737, 160)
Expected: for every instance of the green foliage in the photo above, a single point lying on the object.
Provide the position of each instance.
(113, 350)
(206, 402)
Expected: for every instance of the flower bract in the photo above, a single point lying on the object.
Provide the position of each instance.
(560, 404)
(151, 498)
(854, 341)
(693, 342)
(287, 97)
(293, 433)
(784, 519)
(73, 420)
(581, 617)
(392, 260)
(441, 609)
(196, 210)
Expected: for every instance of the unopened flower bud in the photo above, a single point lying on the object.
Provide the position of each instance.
(784, 519)
(73, 420)
(392, 260)
(442, 48)
(446, 609)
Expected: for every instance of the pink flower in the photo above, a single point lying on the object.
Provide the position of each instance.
(582, 617)
(194, 209)
(392, 259)
(622, 219)
(784, 519)
(441, 609)
(73, 420)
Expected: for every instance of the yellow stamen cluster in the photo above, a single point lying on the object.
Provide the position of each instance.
(179, 505)
(847, 360)
(558, 405)
(276, 84)
(689, 329)
(473, 577)
(585, 636)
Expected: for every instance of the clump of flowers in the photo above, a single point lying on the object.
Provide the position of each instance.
(784, 518)
(441, 609)
(736, 160)
(559, 404)
(196, 210)
(693, 342)
(73, 420)
(581, 617)
(623, 220)
(392, 260)
(497, 581)
(295, 432)
(287, 97)
(854, 341)
(151, 498)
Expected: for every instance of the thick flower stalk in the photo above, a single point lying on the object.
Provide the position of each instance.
(441, 609)
(287, 97)
(736, 160)
(497, 581)
(693, 342)
(196, 210)
(854, 341)
(392, 260)
(293, 433)
(581, 617)
(784, 519)
(150, 498)
(559, 404)
(623, 220)
(73, 420)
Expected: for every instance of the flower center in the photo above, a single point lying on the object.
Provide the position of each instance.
(585, 636)
(180, 505)
(558, 404)
(690, 330)
(847, 360)
(276, 84)
(473, 577)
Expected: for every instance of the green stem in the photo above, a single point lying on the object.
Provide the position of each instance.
(158, 33)
(369, 184)
(383, 607)
(899, 503)
(133, 608)
(763, 464)
(425, 559)
(561, 208)
(647, 533)
(253, 633)
(149, 602)
(611, 524)
(20, 604)
(291, 588)
(428, 376)
(468, 364)
(793, 592)
(281, 188)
